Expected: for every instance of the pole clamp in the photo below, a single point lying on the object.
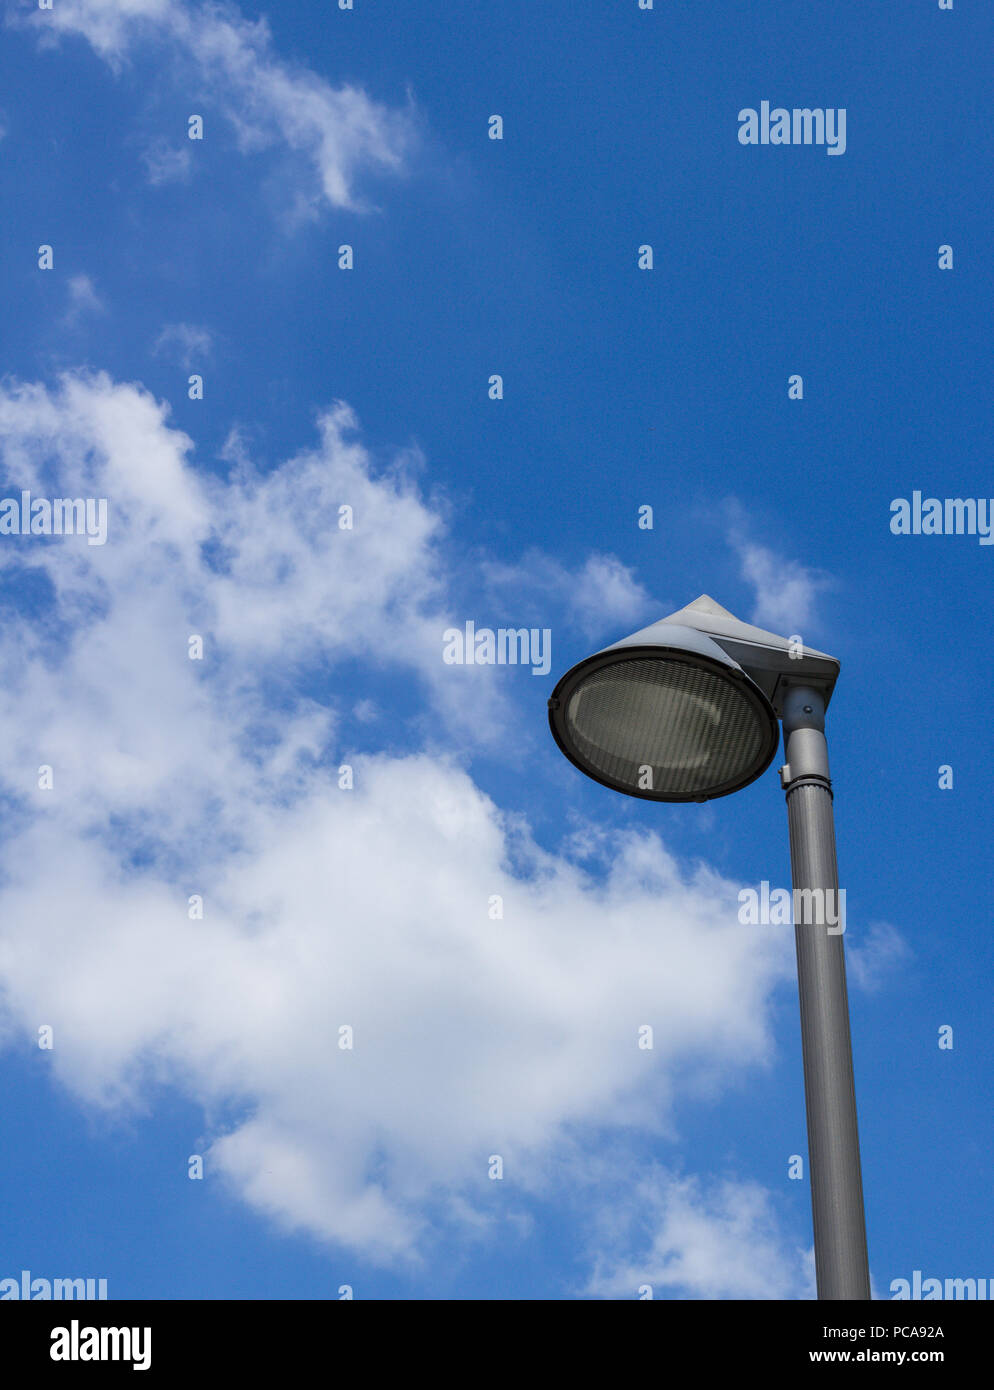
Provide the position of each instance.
(805, 779)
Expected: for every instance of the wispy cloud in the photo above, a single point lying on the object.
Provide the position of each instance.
(686, 1238)
(786, 590)
(83, 300)
(874, 960)
(596, 597)
(165, 163)
(189, 343)
(339, 131)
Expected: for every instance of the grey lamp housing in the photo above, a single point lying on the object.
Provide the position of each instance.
(686, 709)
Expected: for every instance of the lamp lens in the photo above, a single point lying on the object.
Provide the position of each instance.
(667, 727)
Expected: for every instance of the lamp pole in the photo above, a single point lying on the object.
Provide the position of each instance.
(830, 1098)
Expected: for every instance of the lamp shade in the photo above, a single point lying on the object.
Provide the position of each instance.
(671, 720)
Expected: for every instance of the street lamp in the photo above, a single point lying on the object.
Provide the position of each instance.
(687, 710)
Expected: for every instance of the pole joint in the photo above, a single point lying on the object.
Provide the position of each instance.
(804, 740)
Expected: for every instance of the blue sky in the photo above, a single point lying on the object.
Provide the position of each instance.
(368, 387)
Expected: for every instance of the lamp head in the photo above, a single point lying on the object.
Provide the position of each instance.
(684, 710)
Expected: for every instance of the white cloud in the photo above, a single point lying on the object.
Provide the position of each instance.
(785, 590)
(189, 342)
(605, 593)
(873, 961)
(166, 164)
(339, 130)
(107, 24)
(721, 1239)
(598, 596)
(323, 907)
(83, 299)
(291, 575)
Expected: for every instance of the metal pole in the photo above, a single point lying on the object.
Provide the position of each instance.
(819, 920)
